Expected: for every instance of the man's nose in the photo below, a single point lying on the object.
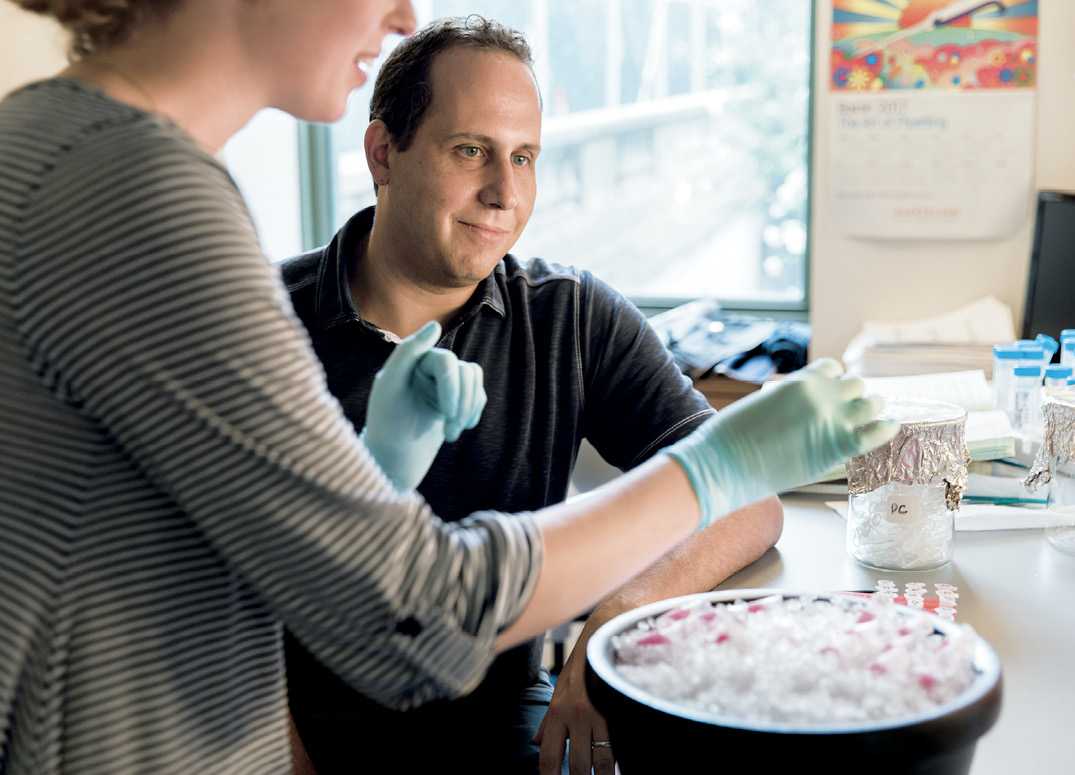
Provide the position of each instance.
(500, 190)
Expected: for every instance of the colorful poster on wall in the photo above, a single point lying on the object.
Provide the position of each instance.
(932, 121)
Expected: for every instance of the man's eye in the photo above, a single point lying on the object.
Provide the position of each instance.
(471, 151)
(522, 160)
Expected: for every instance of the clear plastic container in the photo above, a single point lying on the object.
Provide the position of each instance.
(1067, 350)
(1057, 376)
(1049, 345)
(903, 496)
(1026, 400)
(1061, 502)
(1033, 354)
(1005, 358)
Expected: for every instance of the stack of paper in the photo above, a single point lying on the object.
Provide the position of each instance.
(1001, 487)
(889, 359)
(990, 436)
(960, 340)
(968, 389)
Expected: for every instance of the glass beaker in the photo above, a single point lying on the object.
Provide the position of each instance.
(1055, 465)
(902, 497)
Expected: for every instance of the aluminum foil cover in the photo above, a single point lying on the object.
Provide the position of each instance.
(1058, 438)
(930, 446)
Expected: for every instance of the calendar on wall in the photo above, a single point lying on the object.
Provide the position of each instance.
(932, 117)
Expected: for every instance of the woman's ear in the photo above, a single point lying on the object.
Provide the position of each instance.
(377, 143)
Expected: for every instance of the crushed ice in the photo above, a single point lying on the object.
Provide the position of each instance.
(799, 660)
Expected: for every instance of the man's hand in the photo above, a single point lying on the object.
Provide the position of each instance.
(300, 759)
(422, 397)
(572, 716)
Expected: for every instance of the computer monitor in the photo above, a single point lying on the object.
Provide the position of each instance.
(1050, 294)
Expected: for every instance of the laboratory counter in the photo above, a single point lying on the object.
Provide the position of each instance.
(1015, 589)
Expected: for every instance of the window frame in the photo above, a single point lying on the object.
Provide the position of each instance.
(318, 184)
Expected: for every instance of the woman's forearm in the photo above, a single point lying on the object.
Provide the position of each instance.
(595, 541)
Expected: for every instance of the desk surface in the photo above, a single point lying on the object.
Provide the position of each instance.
(1014, 588)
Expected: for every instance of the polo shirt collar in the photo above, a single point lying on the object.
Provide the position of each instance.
(335, 304)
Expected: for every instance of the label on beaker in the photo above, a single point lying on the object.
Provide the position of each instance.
(902, 509)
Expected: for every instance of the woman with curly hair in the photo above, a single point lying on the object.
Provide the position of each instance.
(176, 481)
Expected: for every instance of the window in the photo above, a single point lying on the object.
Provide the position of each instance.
(263, 160)
(674, 145)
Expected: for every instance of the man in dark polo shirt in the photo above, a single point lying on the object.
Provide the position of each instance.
(565, 358)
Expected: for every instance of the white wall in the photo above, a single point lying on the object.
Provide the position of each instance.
(856, 279)
(851, 279)
(31, 46)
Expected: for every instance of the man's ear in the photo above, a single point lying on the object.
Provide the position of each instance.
(378, 142)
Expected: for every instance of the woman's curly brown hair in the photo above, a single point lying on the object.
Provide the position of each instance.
(95, 24)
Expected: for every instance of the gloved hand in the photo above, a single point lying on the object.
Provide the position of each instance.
(421, 397)
(782, 438)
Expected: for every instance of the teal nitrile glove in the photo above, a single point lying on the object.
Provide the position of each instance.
(421, 397)
(781, 438)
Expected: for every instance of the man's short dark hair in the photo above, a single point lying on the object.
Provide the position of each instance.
(403, 90)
